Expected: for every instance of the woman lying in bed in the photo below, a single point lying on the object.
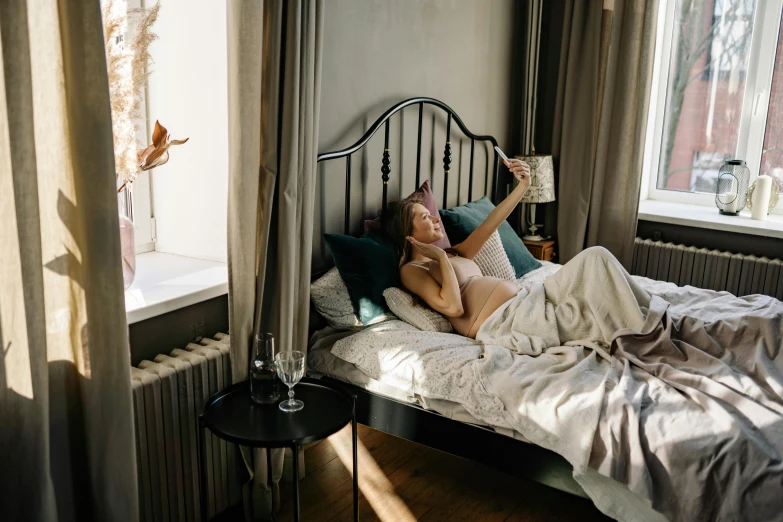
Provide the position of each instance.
(676, 395)
(452, 284)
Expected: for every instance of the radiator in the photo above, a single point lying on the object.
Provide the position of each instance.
(712, 269)
(168, 394)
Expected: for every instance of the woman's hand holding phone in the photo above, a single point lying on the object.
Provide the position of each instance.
(518, 168)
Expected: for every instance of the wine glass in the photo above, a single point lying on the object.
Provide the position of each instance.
(290, 369)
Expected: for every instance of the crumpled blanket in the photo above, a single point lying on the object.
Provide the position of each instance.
(677, 393)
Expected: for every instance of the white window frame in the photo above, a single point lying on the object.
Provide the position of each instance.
(141, 188)
(143, 222)
(755, 106)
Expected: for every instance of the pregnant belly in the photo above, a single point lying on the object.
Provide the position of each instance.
(481, 296)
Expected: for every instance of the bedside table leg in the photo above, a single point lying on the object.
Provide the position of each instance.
(354, 435)
(269, 481)
(296, 482)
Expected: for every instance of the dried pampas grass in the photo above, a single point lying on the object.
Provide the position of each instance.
(128, 66)
(140, 45)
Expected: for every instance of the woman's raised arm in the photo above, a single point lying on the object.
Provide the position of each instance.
(470, 247)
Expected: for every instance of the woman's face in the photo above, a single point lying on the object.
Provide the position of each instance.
(426, 228)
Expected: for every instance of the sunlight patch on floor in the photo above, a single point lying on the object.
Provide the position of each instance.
(388, 506)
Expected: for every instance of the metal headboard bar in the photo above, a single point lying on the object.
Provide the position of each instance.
(446, 163)
(486, 170)
(418, 147)
(470, 176)
(386, 161)
(347, 225)
(385, 168)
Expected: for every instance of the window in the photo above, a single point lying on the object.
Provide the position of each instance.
(728, 36)
(136, 202)
(772, 153)
(717, 94)
(142, 190)
(142, 214)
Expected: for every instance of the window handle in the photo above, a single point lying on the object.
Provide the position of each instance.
(756, 102)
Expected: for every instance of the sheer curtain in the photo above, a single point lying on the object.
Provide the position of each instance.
(600, 121)
(66, 443)
(274, 90)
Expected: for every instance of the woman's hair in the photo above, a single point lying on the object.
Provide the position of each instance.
(397, 222)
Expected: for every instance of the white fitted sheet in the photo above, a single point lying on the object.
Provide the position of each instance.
(321, 362)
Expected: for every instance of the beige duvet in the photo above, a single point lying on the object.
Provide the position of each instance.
(677, 393)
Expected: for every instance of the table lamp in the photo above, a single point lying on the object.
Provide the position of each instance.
(541, 190)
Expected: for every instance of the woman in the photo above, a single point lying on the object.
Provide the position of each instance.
(452, 284)
(606, 377)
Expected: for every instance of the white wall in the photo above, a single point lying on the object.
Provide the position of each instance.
(188, 94)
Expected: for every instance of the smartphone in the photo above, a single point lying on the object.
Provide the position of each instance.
(500, 152)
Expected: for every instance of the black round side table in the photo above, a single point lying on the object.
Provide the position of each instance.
(231, 415)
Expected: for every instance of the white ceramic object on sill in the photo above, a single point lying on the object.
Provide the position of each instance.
(763, 196)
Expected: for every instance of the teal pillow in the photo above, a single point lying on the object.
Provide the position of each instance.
(461, 221)
(368, 265)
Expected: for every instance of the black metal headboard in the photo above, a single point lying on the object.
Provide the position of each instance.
(385, 162)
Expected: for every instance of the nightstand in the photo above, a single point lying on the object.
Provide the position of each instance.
(541, 250)
(231, 415)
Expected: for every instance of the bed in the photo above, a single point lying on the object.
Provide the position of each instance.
(438, 423)
(387, 409)
(419, 386)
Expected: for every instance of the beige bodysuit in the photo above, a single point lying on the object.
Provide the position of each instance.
(481, 295)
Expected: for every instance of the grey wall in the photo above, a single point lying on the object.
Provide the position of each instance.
(379, 52)
(176, 329)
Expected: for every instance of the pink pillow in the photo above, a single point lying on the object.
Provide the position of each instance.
(428, 200)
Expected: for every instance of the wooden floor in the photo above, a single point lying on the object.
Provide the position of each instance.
(402, 481)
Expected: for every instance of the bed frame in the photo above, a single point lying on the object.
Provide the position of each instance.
(411, 422)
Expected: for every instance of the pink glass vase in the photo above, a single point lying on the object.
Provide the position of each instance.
(128, 249)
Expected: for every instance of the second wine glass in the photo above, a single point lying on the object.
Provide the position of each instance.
(290, 368)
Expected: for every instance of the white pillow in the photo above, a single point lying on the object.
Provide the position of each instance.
(404, 306)
(539, 275)
(332, 300)
(493, 261)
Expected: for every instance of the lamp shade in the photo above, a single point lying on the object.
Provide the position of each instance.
(542, 179)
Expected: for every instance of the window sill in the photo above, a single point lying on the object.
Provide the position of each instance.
(708, 217)
(167, 282)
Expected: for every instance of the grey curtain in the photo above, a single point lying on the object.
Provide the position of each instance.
(66, 443)
(600, 122)
(274, 55)
(530, 12)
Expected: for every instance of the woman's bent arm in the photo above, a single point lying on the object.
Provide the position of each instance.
(444, 299)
